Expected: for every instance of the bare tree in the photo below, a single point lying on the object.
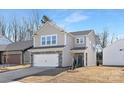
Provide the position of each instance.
(102, 41)
(36, 19)
(31, 29)
(114, 38)
(28, 28)
(20, 34)
(15, 29)
(24, 28)
(103, 37)
(2, 26)
(9, 31)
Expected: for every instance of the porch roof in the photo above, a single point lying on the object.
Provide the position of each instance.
(79, 48)
(47, 48)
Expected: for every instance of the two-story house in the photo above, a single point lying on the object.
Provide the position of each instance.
(53, 47)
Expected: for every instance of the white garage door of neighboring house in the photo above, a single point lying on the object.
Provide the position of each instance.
(46, 60)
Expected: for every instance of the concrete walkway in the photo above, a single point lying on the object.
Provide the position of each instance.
(16, 74)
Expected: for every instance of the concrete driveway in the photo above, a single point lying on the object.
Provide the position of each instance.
(17, 74)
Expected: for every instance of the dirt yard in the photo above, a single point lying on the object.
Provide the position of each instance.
(82, 75)
(9, 68)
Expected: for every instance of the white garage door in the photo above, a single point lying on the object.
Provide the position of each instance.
(46, 60)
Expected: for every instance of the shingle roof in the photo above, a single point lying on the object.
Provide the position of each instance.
(85, 32)
(19, 45)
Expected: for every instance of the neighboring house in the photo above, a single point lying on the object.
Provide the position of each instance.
(4, 41)
(53, 47)
(113, 55)
(16, 53)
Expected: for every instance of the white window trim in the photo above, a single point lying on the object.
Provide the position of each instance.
(50, 40)
(41, 40)
(79, 40)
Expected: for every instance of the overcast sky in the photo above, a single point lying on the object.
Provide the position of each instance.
(76, 20)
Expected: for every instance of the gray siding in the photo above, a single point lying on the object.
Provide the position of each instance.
(27, 57)
(79, 45)
(91, 50)
(67, 54)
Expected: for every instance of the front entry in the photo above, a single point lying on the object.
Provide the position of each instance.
(79, 60)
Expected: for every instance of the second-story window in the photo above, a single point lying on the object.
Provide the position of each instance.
(79, 40)
(43, 40)
(53, 39)
(48, 40)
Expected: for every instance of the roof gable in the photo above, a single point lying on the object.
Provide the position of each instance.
(47, 25)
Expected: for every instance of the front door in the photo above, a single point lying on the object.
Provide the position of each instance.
(80, 60)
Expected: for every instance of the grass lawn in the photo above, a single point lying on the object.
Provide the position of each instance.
(9, 68)
(82, 75)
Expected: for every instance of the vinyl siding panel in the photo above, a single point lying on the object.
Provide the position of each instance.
(91, 50)
(68, 56)
(27, 57)
(112, 54)
(79, 45)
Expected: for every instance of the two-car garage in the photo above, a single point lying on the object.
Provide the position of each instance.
(46, 60)
(50, 56)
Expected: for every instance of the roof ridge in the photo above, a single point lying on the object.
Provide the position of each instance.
(82, 31)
